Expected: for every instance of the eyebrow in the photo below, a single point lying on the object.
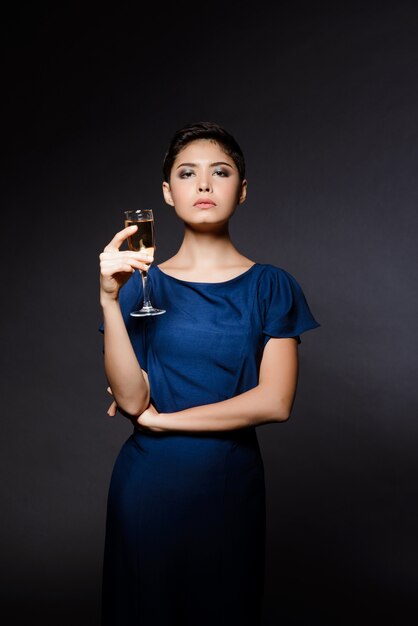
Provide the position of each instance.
(211, 165)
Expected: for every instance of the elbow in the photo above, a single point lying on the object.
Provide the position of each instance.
(134, 408)
(280, 412)
(275, 406)
(281, 416)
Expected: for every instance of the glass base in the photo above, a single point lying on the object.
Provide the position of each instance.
(149, 310)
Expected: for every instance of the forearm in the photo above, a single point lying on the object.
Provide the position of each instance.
(123, 372)
(260, 405)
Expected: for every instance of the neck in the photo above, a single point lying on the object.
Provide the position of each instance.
(209, 249)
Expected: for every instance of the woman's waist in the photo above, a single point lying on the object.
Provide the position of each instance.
(236, 450)
(197, 444)
(246, 435)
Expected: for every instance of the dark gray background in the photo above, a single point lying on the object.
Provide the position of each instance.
(324, 104)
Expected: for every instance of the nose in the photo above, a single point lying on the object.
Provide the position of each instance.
(203, 185)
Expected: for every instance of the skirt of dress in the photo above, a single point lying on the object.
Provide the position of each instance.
(185, 531)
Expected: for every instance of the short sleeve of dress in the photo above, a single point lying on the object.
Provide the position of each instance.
(285, 310)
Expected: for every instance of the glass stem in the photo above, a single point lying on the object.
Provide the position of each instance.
(147, 303)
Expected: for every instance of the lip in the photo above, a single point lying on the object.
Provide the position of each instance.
(204, 202)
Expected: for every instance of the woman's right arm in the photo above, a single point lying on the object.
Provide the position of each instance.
(125, 377)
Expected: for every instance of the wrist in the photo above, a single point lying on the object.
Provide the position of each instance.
(162, 421)
(108, 301)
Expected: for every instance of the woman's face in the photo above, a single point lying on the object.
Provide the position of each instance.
(204, 186)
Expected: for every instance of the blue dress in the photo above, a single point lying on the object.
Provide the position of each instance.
(185, 527)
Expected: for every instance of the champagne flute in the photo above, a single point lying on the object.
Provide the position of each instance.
(143, 240)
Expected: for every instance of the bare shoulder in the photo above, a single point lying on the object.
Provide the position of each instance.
(168, 264)
(245, 262)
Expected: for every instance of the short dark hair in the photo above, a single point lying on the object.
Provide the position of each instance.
(203, 130)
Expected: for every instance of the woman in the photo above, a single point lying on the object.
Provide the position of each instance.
(185, 532)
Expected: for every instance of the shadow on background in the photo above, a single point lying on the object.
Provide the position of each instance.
(323, 101)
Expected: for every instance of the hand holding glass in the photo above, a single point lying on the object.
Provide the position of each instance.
(143, 240)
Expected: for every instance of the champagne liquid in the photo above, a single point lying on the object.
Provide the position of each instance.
(143, 240)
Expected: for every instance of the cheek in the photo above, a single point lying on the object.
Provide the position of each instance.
(234, 193)
(181, 192)
(181, 205)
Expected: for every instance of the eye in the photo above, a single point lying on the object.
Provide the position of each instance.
(186, 173)
(222, 173)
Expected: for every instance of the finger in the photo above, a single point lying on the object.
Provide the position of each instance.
(111, 411)
(111, 263)
(109, 391)
(109, 271)
(120, 237)
(110, 268)
(140, 255)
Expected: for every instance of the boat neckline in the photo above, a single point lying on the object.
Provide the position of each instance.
(194, 282)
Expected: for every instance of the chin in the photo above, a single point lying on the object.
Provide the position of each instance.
(206, 225)
(210, 217)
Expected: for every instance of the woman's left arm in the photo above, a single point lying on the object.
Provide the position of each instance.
(270, 401)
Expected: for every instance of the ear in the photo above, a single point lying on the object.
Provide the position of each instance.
(167, 194)
(243, 192)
